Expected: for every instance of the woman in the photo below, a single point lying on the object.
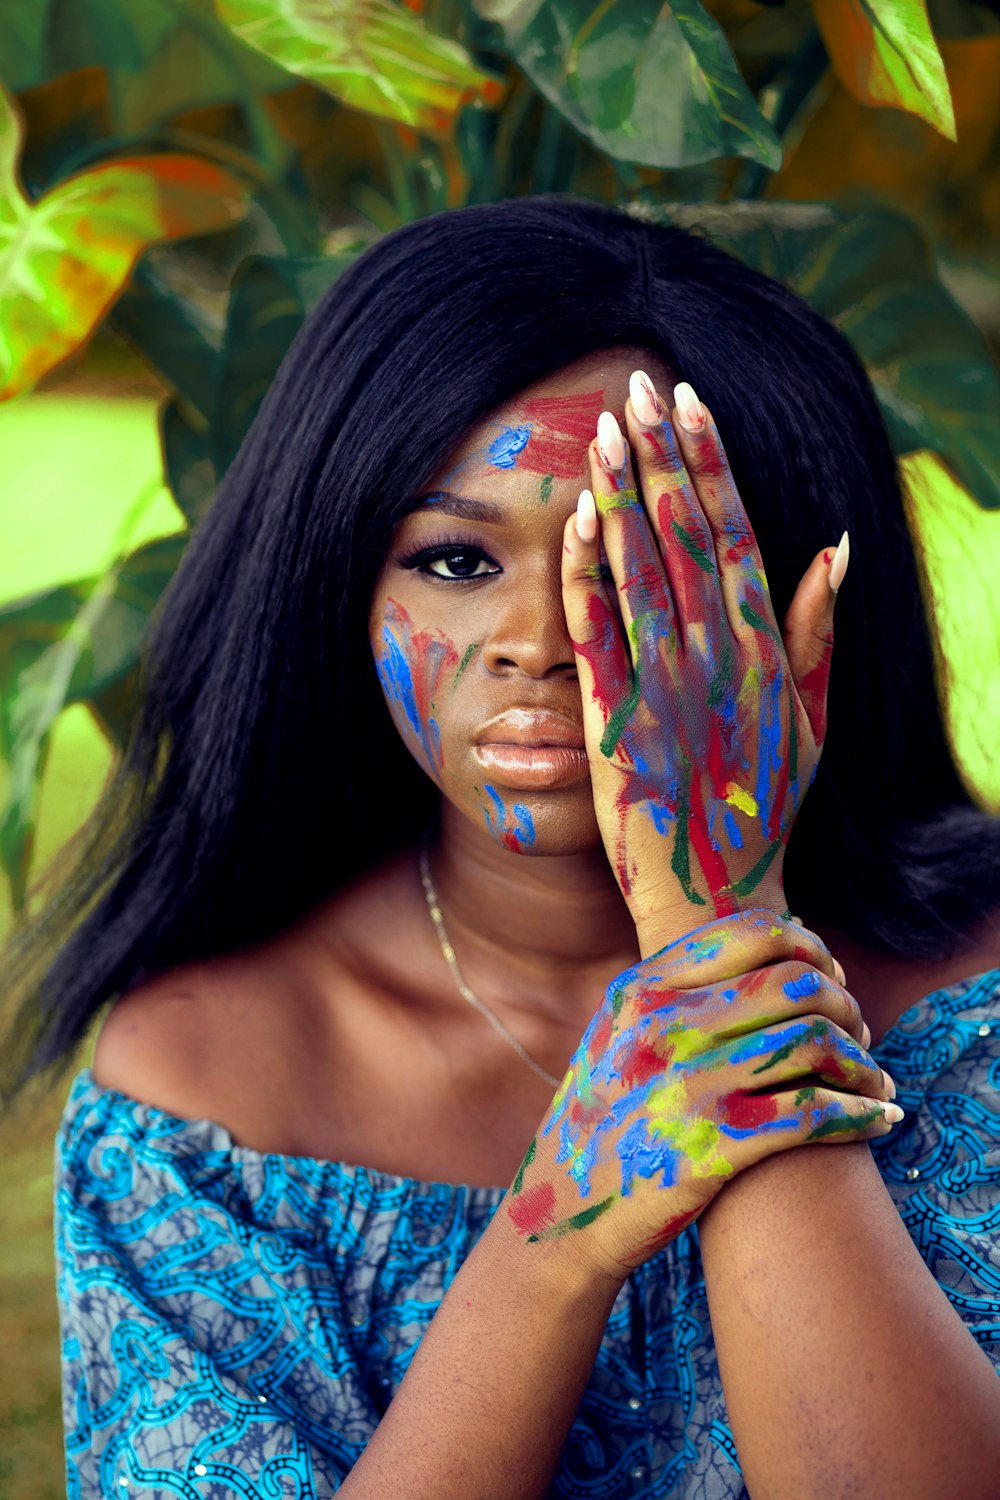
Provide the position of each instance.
(503, 748)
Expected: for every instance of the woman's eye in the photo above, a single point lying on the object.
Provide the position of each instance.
(463, 562)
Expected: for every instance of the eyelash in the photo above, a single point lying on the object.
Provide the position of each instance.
(422, 557)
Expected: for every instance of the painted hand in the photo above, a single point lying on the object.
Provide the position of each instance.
(702, 736)
(664, 1100)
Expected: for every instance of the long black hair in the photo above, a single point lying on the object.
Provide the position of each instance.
(263, 770)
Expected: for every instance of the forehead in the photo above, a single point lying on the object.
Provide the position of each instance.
(544, 430)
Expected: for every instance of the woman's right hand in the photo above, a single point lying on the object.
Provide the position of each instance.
(701, 1060)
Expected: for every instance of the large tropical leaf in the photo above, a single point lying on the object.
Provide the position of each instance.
(71, 644)
(373, 54)
(884, 52)
(160, 58)
(269, 300)
(64, 259)
(646, 82)
(873, 275)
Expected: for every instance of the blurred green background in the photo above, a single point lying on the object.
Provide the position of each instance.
(184, 179)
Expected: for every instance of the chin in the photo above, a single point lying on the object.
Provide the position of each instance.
(536, 823)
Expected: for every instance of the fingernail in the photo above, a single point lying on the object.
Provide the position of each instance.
(610, 441)
(866, 1036)
(839, 565)
(890, 1087)
(838, 969)
(646, 403)
(586, 516)
(690, 412)
(893, 1113)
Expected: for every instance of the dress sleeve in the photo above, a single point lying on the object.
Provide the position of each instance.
(941, 1164)
(203, 1355)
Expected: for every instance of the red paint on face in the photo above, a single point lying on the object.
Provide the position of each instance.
(747, 1111)
(534, 1210)
(560, 427)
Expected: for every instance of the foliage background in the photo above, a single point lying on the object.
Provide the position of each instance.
(180, 180)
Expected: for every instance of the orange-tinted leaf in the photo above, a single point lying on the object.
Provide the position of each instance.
(64, 258)
(374, 56)
(884, 52)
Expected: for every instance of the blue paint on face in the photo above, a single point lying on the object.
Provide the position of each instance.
(504, 449)
(501, 811)
(397, 680)
(525, 826)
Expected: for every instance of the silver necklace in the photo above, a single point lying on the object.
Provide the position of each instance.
(434, 907)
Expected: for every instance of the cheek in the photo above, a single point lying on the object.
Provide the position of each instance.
(416, 669)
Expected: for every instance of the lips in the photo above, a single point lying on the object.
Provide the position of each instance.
(532, 749)
(532, 728)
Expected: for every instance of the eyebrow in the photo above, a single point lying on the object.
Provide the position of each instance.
(463, 506)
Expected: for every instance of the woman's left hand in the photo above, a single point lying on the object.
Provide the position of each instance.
(703, 723)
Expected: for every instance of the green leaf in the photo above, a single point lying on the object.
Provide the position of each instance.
(71, 644)
(161, 58)
(644, 82)
(872, 273)
(376, 57)
(270, 298)
(64, 259)
(884, 53)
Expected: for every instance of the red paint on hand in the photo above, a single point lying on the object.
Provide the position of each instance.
(534, 1210)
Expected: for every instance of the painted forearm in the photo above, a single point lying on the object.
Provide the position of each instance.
(845, 1368)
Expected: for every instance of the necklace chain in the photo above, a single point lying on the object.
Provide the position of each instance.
(434, 907)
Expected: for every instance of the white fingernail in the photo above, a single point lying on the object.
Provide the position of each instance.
(645, 401)
(610, 440)
(586, 517)
(690, 412)
(839, 565)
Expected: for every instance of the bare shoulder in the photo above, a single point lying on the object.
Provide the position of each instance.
(156, 1041)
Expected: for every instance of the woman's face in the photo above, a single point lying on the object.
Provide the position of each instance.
(467, 624)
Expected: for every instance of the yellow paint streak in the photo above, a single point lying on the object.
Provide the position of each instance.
(696, 1139)
(737, 796)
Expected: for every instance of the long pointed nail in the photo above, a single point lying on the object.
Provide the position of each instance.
(646, 404)
(839, 565)
(610, 440)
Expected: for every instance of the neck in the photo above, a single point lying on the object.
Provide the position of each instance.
(541, 931)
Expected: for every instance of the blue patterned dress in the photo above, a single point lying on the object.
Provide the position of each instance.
(234, 1323)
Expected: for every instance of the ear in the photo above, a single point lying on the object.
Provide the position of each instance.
(808, 638)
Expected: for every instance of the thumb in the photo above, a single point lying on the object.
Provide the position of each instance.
(808, 631)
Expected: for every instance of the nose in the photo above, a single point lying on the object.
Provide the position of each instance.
(529, 632)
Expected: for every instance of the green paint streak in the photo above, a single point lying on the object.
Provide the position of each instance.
(778, 1055)
(756, 875)
(578, 1221)
(723, 676)
(758, 622)
(793, 738)
(692, 549)
(546, 491)
(470, 652)
(845, 1124)
(806, 1095)
(680, 860)
(529, 1157)
(615, 727)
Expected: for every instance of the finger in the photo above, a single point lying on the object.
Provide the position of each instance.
(675, 513)
(787, 991)
(648, 611)
(808, 638)
(774, 1055)
(602, 659)
(765, 1124)
(733, 945)
(744, 584)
